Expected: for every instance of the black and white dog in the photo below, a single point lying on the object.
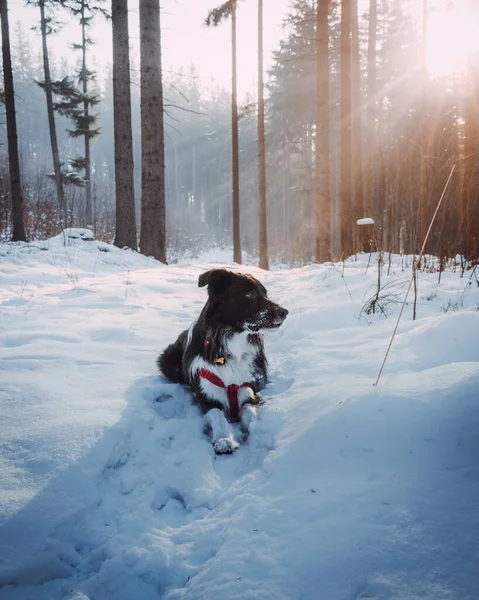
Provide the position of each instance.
(221, 356)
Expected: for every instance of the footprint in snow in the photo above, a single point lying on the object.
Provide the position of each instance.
(171, 406)
(165, 494)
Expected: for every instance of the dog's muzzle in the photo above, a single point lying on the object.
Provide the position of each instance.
(272, 318)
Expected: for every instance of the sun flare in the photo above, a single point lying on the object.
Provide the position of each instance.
(452, 36)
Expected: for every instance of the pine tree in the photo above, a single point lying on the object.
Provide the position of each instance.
(85, 11)
(18, 229)
(70, 103)
(214, 18)
(153, 193)
(46, 28)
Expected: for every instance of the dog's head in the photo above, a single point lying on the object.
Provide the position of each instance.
(240, 301)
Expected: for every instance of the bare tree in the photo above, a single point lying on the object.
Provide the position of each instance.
(214, 18)
(18, 230)
(125, 231)
(153, 204)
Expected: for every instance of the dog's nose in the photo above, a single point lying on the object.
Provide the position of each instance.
(282, 312)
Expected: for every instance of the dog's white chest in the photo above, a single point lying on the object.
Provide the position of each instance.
(237, 370)
(242, 352)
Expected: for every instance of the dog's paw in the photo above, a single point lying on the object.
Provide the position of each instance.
(225, 446)
(244, 435)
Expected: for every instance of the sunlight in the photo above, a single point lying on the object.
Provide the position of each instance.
(452, 35)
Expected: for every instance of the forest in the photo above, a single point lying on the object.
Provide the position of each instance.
(364, 112)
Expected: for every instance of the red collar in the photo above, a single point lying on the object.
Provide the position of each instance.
(232, 390)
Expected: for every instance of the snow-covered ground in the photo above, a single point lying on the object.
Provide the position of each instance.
(344, 491)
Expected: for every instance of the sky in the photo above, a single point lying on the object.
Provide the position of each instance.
(185, 39)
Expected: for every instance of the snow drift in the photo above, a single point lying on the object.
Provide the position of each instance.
(109, 489)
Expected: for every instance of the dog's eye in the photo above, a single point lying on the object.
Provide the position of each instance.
(250, 295)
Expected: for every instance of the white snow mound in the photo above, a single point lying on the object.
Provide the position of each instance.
(76, 233)
(109, 489)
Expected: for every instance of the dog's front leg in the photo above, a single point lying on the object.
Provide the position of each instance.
(248, 415)
(222, 436)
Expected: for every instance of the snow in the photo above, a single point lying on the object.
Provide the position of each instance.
(76, 233)
(366, 221)
(110, 490)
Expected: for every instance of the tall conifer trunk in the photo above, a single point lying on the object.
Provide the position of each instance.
(125, 232)
(18, 229)
(88, 195)
(263, 237)
(235, 143)
(345, 109)
(371, 209)
(51, 115)
(214, 18)
(361, 238)
(153, 204)
(323, 209)
(423, 204)
(470, 193)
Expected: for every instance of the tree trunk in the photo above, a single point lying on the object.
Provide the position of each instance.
(356, 131)
(323, 208)
(263, 239)
(423, 204)
(88, 195)
(125, 233)
(370, 205)
(18, 230)
(470, 192)
(346, 216)
(51, 115)
(235, 146)
(153, 205)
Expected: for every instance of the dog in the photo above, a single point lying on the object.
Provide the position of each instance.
(221, 356)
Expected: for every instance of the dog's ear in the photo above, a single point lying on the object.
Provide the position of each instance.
(217, 280)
